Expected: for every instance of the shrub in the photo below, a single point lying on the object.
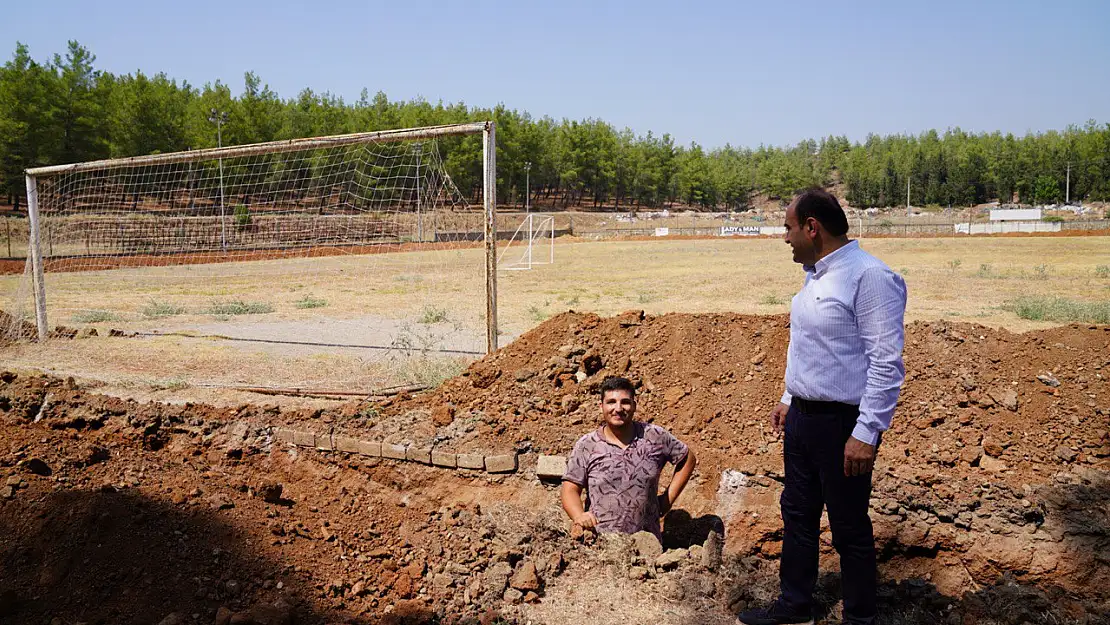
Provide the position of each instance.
(238, 307)
(1041, 308)
(155, 309)
(94, 316)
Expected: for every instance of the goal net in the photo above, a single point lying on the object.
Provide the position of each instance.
(362, 241)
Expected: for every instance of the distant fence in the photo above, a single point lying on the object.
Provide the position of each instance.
(861, 230)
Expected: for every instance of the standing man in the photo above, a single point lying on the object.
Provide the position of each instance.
(843, 374)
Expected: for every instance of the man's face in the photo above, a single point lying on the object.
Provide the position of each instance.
(618, 407)
(799, 237)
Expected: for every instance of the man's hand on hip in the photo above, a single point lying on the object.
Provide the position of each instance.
(859, 457)
(778, 417)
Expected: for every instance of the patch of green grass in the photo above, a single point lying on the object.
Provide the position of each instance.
(155, 309)
(433, 314)
(1102, 271)
(309, 301)
(95, 316)
(772, 300)
(537, 314)
(1041, 308)
(238, 307)
(429, 370)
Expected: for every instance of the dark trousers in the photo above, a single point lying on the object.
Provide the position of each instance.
(813, 448)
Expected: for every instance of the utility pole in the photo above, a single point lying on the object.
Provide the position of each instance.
(419, 213)
(527, 187)
(907, 195)
(1067, 187)
(220, 118)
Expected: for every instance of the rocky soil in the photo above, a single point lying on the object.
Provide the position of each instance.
(991, 493)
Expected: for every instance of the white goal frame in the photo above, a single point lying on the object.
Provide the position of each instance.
(489, 194)
(533, 227)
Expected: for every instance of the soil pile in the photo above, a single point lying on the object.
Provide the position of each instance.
(990, 499)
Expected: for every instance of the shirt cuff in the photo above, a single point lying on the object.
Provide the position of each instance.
(786, 397)
(865, 434)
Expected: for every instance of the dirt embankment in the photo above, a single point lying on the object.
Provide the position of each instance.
(990, 502)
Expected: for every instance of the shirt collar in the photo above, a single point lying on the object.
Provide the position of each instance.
(832, 258)
(638, 433)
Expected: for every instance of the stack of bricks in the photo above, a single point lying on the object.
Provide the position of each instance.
(504, 463)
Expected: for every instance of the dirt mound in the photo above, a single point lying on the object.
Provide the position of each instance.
(990, 500)
(999, 440)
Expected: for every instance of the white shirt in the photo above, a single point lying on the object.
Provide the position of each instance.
(846, 336)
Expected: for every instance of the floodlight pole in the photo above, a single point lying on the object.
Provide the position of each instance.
(419, 214)
(218, 118)
(527, 187)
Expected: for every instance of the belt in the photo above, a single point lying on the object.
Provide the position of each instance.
(810, 406)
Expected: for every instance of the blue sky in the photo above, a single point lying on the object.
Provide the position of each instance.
(745, 73)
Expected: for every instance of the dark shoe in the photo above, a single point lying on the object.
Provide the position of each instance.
(772, 615)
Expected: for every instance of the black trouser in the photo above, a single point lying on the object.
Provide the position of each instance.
(813, 447)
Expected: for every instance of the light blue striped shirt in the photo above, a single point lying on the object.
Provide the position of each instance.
(846, 336)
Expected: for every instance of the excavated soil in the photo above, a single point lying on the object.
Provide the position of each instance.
(991, 504)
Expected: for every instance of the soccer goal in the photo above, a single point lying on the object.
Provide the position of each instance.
(532, 243)
(357, 227)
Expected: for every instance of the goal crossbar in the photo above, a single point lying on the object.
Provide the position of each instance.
(270, 147)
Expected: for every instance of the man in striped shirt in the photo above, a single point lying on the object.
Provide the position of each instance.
(843, 375)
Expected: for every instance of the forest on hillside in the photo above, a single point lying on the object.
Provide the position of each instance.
(64, 110)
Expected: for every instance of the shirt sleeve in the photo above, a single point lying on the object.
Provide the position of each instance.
(880, 317)
(674, 449)
(579, 464)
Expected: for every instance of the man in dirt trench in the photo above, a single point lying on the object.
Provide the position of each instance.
(843, 375)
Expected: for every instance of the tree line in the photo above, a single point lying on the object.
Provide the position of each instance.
(64, 110)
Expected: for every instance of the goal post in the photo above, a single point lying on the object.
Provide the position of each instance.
(353, 195)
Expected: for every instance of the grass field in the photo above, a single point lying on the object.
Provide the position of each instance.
(435, 299)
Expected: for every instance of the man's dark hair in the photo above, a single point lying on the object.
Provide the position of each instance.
(617, 384)
(824, 207)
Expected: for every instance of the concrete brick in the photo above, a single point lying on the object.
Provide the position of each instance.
(551, 467)
(304, 439)
(396, 452)
(324, 442)
(284, 436)
(348, 444)
(472, 461)
(423, 455)
(501, 464)
(444, 459)
(370, 448)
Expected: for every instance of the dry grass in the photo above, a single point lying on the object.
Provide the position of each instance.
(976, 279)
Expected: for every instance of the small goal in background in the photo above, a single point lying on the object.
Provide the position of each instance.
(533, 243)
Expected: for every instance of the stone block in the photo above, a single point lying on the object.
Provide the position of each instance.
(551, 467)
(348, 444)
(396, 452)
(501, 464)
(304, 439)
(444, 459)
(284, 435)
(324, 442)
(472, 461)
(370, 448)
(423, 455)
